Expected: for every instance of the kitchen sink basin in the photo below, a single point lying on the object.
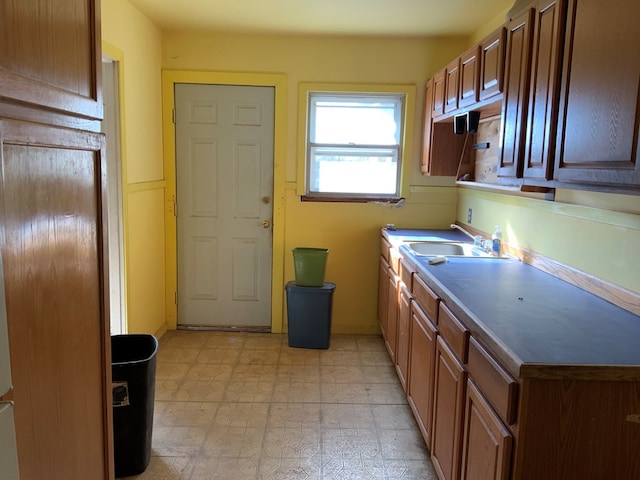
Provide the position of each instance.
(447, 249)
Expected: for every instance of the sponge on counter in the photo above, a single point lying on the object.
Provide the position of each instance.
(437, 259)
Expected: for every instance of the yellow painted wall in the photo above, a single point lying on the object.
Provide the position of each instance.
(133, 40)
(350, 231)
(593, 232)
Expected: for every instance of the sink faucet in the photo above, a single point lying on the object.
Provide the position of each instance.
(477, 239)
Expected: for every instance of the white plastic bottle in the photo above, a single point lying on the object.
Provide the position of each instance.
(496, 241)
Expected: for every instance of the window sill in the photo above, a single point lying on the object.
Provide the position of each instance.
(345, 199)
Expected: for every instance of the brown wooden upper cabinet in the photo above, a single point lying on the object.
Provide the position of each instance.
(451, 85)
(514, 106)
(441, 148)
(571, 111)
(534, 43)
(599, 126)
(492, 64)
(469, 77)
(427, 132)
(473, 79)
(438, 93)
(55, 69)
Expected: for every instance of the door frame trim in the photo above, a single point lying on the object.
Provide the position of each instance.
(279, 82)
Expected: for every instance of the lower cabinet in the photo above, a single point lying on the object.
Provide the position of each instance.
(383, 295)
(487, 443)
(480, 421)
(403, 330)
(421, 367)
(448, 410)
(392, 313)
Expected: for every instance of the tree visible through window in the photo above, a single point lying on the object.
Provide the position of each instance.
(354, 144)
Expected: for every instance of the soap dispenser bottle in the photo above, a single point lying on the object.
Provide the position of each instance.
(496, 241)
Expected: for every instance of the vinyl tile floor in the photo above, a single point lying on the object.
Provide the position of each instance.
(246, 406)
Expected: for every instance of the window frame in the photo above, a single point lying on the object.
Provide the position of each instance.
(306, 90)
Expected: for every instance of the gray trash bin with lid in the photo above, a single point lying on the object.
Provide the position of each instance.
(133, 372)
(309, 315)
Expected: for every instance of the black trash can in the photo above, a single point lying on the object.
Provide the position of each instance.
(133, 371)
(309, 315)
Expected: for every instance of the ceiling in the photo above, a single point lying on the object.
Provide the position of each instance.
(415, 18)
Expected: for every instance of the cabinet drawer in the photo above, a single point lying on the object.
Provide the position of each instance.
(394, 259)
(496, 385)
(426, 298)
(384, 248)
(454, 332)
(406, 274)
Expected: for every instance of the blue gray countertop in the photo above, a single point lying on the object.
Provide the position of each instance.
(535, 323)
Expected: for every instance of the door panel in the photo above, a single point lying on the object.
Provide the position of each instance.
(53, 251)
(224, 169)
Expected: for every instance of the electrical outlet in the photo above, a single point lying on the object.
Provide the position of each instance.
(469, 215)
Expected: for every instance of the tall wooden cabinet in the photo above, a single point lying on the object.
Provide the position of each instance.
(514, 107)
(599, 129)
(53, 245)
(530, 109)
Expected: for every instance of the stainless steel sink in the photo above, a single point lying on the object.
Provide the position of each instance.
(448, 249)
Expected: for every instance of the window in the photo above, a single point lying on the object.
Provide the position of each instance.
(354, 144)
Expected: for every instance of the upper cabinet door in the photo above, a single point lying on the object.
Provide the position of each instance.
(452, 86)
(49, 56)
(546, 57)
(516, 94)
(438, 92)
(599, 118)
(469, 77)
(492, 64)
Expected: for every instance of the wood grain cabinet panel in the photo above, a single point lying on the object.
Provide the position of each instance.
(448, 411)
(426, 298)
(500, 389)
(383, 295)
(599, 126)
(516, 95)
(487, 444)
(492, 64)
(454, 332)
(439, 80)
(392, 314)
(452, 86)
(427, 129)
(542, 114)
(403, 331)
(53, 249)
(49, 55)
(421, 369)
(469, 77)
(54, 241)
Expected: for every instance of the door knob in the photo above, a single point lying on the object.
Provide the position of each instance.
(266, 223)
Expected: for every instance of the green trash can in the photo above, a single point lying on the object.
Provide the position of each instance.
(310, 264)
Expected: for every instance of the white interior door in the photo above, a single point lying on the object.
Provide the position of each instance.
(224, 183)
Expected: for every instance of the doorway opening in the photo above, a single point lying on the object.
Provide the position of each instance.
(110, 126)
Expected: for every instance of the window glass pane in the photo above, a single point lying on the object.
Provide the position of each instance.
(353, 171)
(354, 144)
(359, 121)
